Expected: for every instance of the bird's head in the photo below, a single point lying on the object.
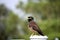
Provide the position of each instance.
(30, 18)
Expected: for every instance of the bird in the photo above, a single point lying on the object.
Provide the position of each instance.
(33, 26)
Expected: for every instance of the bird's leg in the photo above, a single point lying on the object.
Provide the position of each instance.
(32, 33)
(35, 34)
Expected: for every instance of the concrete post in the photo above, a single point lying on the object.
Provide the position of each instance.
(37, 37)
(56, 38)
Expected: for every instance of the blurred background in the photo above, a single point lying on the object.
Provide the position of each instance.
(14, 13)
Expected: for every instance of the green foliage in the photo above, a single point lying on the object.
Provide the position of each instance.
(47, 9)
(3, 10)
(11, 24)
(50, 28)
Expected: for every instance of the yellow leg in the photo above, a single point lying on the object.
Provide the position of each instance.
(32, 34)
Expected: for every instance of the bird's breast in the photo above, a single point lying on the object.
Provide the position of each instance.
(30, 25)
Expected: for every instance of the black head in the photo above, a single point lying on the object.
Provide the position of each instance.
(30, 18)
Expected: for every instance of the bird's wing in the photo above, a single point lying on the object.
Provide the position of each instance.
(36, 28)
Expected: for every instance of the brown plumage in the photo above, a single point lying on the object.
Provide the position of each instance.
(33, 26)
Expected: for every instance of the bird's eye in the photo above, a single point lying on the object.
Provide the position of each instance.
(29, 17)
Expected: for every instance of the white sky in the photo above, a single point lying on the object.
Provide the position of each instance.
(11, 4)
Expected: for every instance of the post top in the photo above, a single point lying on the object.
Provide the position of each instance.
(38, 36)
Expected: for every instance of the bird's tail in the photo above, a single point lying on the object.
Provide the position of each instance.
(39, 31)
